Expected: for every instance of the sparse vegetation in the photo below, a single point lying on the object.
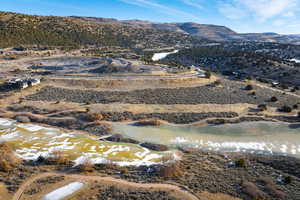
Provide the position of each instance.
(59, 158)
(274, 99)
(7, 158)
(241, 162)
(262, 107)
(286, 109)
(170, 170)
(86, 165)
(23, 30)
(249, 87)
(252, 190)
(94, 116)
(153, 122)
(207, 74)
(288, 180)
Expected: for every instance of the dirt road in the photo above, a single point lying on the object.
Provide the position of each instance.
(184, 194)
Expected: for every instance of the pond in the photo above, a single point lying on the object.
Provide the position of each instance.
(252, 137)
(30, 141)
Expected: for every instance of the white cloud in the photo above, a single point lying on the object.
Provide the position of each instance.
(230, 11)
(265, 9)
(289, 14)
(193, 3)
(262, 10)
(279, 22)
(161, 8)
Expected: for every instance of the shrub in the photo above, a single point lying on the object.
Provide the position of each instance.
(253, 93)
(241, 162)
(171, 170)
(274, 99)
(86, 165)
(155, 147)
(266, 181)
(217, 83)
(148, 123)
(59, 158)
(249, 87)
(262, 107)
(88, 102)
(252, 190)
(271, 188)
(110, 165)
(283, 86)
(288, 180)
(5, 166)
(41, 159)
(8, 161)
(207, 74)
(94, 117)
(124, 171)
(286, 109)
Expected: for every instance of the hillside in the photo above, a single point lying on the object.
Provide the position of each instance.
(270, 65)
(211, 32)
(19, 29)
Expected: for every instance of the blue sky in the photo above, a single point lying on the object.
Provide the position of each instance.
(281, 16)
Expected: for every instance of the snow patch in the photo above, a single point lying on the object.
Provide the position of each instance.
(295, 60)
(5, 122)
(9, 136)
(64, 191)
(160, 56)
(31, 127)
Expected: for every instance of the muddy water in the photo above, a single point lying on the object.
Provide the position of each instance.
(31, 141)
(254, 137)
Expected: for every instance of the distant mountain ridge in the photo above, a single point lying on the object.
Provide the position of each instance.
(208, 31)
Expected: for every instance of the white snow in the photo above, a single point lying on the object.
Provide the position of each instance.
(5, 122)
(295, 60)
(9, 136)
(159, 56)
(179, 140)
(30, 127)
(64, 191)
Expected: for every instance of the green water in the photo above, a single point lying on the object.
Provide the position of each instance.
(258, 137)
